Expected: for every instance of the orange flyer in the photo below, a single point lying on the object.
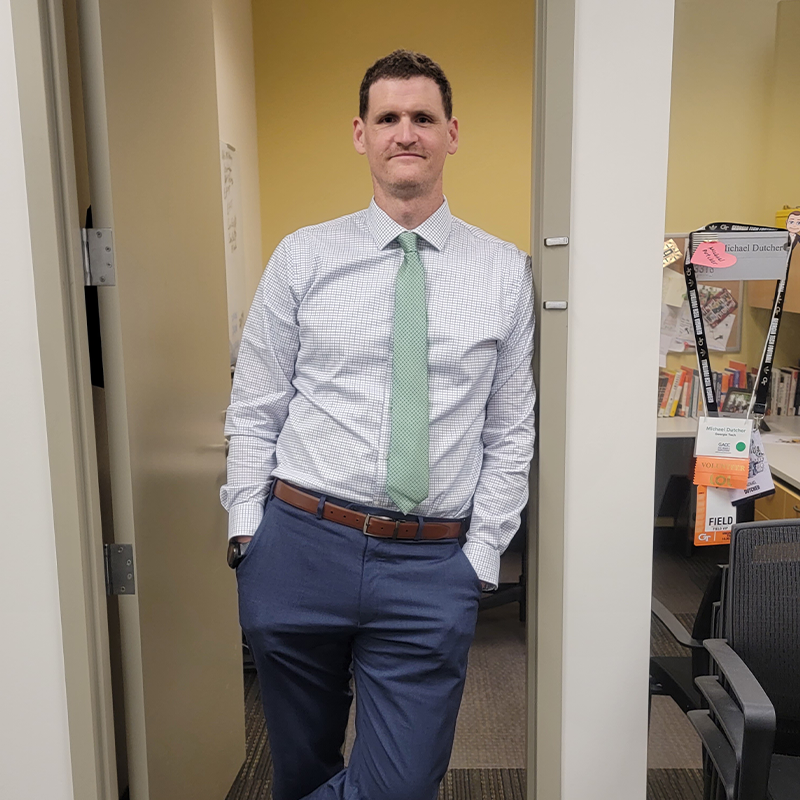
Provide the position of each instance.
(724, 473)
(715, 517)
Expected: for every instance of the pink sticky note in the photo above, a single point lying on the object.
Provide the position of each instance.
(713, 254)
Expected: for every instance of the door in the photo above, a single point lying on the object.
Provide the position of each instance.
(152, 138)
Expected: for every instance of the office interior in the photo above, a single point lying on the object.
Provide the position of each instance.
(583, 572)
(733, 121)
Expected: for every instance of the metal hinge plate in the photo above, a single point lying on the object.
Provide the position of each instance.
(98, 257)
(119, 569)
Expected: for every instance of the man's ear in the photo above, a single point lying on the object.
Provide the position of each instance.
(358, 135)
(452, 135)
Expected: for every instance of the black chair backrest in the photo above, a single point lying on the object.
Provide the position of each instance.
(762, 616)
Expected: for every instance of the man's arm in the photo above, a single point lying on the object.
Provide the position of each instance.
(262, 390)
(508, 434)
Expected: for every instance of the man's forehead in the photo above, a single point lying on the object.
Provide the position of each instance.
(418, 93)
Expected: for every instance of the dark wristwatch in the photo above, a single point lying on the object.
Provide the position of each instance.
(236, 551)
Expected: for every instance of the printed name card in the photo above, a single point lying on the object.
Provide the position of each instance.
(739, 255)
(722, 451)
(759, 479)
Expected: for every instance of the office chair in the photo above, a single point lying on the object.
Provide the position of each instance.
(674, 675)
(750, 729)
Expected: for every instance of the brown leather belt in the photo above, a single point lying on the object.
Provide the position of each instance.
(371, 525)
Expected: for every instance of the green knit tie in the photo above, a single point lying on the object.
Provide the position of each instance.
(407, 470)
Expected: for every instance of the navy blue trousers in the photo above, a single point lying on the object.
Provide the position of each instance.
(319, 602)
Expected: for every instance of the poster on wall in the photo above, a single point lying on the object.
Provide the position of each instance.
(234, 245)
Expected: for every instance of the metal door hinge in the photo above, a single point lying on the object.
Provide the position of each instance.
(98, 257)
(119, 569)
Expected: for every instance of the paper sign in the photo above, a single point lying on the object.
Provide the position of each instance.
(722, 473)
(713, 254)
(759, 255)
(673, 288)
(671, 252)
(715, 517)
(759, 479)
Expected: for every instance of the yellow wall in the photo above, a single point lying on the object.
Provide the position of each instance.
(310, 57)
(735, 109)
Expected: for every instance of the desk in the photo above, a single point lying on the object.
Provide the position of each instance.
(784, 459)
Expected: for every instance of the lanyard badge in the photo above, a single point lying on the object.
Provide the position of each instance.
(730, 465)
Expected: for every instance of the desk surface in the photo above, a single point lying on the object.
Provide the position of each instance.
(784, 459)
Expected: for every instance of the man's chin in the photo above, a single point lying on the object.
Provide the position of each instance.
(407, 189)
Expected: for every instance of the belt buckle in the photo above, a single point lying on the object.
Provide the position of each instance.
(383, 519)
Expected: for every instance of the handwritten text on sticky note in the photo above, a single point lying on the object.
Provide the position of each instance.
(713, 254)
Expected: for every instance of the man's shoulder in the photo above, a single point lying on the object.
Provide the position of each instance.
(474, 236)
(332, 229)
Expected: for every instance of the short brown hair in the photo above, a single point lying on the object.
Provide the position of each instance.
(402, 65)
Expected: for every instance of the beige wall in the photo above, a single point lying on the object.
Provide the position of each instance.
(34, 736)
(236, 104)
(722, 67)
(735, 119)
(310, 56)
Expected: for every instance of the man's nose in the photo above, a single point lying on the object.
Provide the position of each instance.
(406, 133)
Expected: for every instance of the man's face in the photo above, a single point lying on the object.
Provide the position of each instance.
(793, 223)
(406, 136)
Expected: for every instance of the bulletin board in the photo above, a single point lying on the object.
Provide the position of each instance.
(722, 303)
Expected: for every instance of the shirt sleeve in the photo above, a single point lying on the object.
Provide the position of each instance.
(262, 391)
(508, 437)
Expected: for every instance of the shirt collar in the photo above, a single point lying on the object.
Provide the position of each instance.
(433, 230)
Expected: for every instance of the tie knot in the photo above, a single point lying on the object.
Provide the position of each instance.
(408, 241)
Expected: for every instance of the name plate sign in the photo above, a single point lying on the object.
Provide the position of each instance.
(742, 255)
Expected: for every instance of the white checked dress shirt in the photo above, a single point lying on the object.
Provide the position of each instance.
(312, 388)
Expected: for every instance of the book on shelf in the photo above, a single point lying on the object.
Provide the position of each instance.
(680, 392)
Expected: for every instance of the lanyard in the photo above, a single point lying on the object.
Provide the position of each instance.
(758, 401)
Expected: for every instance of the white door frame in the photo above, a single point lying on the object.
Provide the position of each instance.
(550, 209)
(38, 31)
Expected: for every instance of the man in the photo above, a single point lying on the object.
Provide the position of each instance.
(383, 394)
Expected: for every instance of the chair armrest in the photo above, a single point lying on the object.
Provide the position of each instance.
(717, 748)
(671, 623)
(756, 706)
(728, 715)
(748, 723)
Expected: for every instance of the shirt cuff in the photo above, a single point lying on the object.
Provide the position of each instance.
(244, 519)
(485, 561)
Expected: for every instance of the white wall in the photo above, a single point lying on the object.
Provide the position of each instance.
(236, 103)
(623, 55)
(34, 742)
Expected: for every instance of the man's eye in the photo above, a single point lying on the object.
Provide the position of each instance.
(424, 120)
(388, 118)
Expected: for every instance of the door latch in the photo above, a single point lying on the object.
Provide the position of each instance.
(98, 257)
(119, 569)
